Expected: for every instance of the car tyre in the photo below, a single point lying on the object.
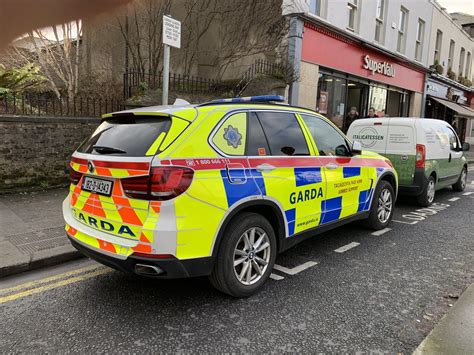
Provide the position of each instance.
(383, 204)
(240, 247)
(460, 185)
(427, 196)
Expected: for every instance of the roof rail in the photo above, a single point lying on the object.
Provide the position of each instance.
(249, 99)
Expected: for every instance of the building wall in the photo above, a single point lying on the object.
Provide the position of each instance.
(37, 150)
(308, 85)
(451, 30)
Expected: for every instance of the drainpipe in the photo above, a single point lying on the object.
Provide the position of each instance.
(424, 97)
(295, 41)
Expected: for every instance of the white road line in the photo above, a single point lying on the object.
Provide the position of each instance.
(295, 270)
(454, 199)
(276, 277)
(472, 182)
(346, 247)
(468, 193)
(382, 231)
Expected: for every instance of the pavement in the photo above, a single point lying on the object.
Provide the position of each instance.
(32, 231)
(388, 291)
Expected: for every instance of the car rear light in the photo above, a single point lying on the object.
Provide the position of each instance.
(74, 176)
(420, 156)
(163, 183)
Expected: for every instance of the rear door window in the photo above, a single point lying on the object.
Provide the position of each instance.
(256, 142)
(126, 135)
(283, 132)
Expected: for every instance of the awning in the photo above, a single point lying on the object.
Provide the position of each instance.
(460, 109)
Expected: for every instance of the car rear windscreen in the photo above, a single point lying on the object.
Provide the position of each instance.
(125, 135)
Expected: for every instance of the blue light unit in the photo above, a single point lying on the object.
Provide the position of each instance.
(260, 98)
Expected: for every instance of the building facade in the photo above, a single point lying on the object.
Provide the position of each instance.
(367, 54)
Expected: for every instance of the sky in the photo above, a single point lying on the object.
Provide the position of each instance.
(466, 6)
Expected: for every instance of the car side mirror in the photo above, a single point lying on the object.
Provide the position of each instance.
(341, 151)
(356, 148)
(466, 147)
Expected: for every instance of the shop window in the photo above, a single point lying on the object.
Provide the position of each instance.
(402, 29)
(452, 44)
(331, 98)
(420, 34)
(439, 41)
(283, 133)
(379, 21)
(378, 100)
(461, 61)
(353, 7)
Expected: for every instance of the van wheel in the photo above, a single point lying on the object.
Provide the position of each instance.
(246, 256)
(381, 210)
(427, 196)
(460, 185)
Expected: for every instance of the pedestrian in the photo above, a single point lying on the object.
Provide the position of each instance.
(351, 117)
(372, 113)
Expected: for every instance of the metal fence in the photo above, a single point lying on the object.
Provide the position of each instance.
(135, 82)
(46, 105)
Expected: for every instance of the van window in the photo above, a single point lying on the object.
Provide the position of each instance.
(283, 133)
(453, 139)
(126, 135)
(326, 137)
(231, 136)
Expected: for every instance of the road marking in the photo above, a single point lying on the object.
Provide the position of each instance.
(422, 213)
(454, 199)
(296, 269)
(468, 193)
(472, 182)
(51, 278)
(54, 285)
(382, 231)
(347, 247)
(276, 277)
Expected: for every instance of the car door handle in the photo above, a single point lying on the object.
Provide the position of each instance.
(332, 166)
(265, 167)
(449, 161)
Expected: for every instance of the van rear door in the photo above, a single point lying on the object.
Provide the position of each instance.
(371, 133)
(401, 150)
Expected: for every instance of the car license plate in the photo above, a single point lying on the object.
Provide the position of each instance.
(98, 186)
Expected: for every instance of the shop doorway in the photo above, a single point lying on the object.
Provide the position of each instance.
(357, 96)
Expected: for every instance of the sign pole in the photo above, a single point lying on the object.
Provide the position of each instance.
(171, 38)
(166, 74)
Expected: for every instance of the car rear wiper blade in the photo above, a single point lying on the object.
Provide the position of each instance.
(107, 150)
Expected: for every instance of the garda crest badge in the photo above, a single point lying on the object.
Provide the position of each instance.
(232, 136)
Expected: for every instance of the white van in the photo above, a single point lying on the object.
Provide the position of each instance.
(426, 153)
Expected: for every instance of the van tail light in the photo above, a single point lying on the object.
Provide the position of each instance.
(420, 156)
(163, 183)
(74, 176)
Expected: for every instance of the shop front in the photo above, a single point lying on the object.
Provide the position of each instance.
(445, 101)
(339, 73)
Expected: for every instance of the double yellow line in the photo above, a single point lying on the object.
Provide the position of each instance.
(51, 282)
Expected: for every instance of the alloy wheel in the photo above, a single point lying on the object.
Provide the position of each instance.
(251, 256)
(385, 206)
(430, 192)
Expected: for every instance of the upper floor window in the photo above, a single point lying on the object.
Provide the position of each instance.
(468, 66)
(353, 7)
(315, 7)
(438, 43)
(402, 29)
(379, 20)
(461, 61)
(452, 44)
(420, 34)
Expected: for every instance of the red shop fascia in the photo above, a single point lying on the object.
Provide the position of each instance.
(330, 49)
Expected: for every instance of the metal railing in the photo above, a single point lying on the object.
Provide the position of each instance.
(46, 105)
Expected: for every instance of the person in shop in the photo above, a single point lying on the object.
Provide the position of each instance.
(351, 117)
(372, 113)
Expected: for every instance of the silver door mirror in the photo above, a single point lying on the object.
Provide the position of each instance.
(356, 147)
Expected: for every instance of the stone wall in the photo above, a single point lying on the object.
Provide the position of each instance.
(35, 151)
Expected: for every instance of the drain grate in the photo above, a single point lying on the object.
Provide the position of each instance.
(31, 242)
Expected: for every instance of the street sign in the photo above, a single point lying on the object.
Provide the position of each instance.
(171, 32)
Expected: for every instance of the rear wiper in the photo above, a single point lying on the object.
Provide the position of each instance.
(107, 150)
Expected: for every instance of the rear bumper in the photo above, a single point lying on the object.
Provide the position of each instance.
(419, 184)
(172, 268)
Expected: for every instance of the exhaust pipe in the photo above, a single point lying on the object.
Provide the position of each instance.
(148, 270)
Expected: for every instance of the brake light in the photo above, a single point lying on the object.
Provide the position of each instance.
(420, 156)
(163, 183)
(74, 176)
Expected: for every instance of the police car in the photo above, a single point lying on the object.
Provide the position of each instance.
(218, 189)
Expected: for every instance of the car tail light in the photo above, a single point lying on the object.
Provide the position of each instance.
(420, 156)
(163, 183)
(74, 176)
